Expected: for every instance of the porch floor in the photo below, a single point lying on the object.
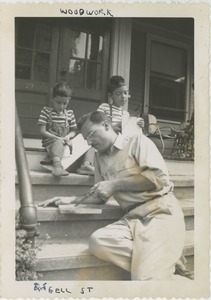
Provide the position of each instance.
(175, 167)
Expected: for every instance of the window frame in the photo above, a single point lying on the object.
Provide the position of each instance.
(159, 39)
(63, 61)
(86, 60)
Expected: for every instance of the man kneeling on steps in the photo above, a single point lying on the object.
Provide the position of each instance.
(149, 239)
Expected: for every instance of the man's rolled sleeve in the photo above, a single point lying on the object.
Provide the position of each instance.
(152, 165)
(156, 180)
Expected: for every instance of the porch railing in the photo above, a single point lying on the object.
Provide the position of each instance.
(28, 211)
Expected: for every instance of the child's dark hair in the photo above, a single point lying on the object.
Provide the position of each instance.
(62, 89)
(115, 82)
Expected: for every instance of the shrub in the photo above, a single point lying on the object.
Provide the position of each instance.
(25, 255)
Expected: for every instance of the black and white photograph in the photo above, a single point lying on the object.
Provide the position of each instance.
(107, 127)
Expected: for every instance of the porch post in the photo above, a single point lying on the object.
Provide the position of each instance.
(121, 48)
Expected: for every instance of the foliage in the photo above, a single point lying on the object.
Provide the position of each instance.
(25, 255)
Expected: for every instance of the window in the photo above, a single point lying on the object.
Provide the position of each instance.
(52, 49)
(84, 55)
(167, 97)
(85, 62)
(33, 51)
(167, 79)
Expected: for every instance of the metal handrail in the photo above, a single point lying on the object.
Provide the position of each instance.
(28, 211)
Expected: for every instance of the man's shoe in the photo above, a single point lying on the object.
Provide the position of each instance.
(181, 268)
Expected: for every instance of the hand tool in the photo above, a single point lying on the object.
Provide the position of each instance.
(85, 198)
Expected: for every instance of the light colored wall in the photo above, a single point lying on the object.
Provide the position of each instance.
(121, 48)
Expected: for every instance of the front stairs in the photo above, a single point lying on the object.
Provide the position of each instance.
(63, 238)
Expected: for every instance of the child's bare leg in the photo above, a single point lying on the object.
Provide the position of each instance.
(56, 151)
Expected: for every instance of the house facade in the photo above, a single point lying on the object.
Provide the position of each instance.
(154, 55)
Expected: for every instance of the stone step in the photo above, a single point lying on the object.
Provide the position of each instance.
(54, 224)
(64, 259)
(35, 153)
(45, 186)
(35, 157)
(183, 186)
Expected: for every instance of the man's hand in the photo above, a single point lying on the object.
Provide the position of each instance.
(104, 189)
(58, 201)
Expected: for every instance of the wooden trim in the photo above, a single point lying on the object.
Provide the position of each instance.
(147, 75)
(85, 60)
(169, 122)
(53, 58)
(63, 54)
(167, 108)
(188, 89)
(105, 65)
(121, 48)
(168, 41)
(114, 48)
(143, 26)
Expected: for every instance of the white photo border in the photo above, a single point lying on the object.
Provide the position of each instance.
(200, 286)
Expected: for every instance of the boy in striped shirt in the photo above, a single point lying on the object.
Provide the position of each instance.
(118, 96)
(58, 126)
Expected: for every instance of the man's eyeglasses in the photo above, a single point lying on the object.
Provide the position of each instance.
(91, 134)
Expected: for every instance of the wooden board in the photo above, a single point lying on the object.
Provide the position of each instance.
(80, 209)
(130, 126)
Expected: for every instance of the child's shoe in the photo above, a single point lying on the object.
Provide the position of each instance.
(86, 168)
(47, 161)
(58, 170)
